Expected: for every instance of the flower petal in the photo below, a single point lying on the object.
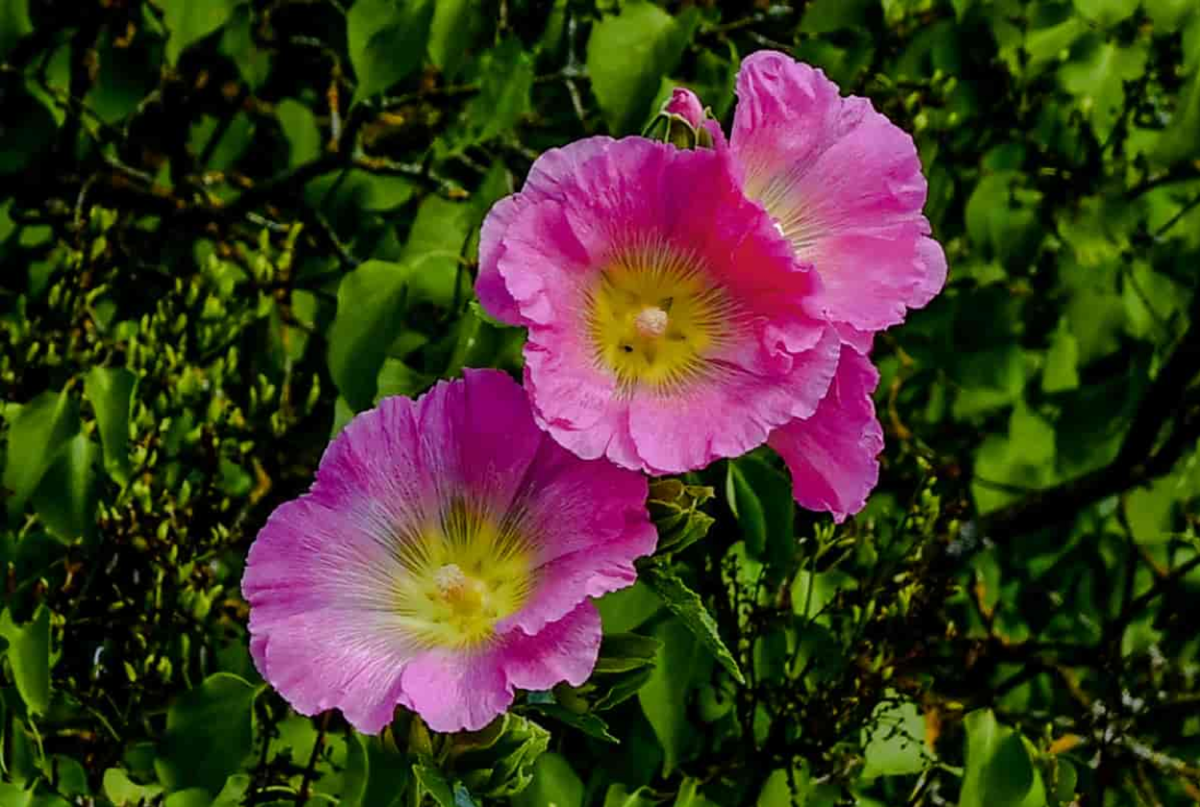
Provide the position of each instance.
(455, 693)
(845, 185)
(541, 185)
(565, 650)
(335, 658)
(737, 413)
(832, 455)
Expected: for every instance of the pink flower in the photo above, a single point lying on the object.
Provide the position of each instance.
(844, 185)
(443, 557)
(669, 324)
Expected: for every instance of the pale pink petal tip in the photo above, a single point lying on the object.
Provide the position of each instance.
(833, 454)
(845, 186)
(443, 558)
(669, 323)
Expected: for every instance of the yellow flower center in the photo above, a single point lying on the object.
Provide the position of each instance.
(463, 574)
(655, 319)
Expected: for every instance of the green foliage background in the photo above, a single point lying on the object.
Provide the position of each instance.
(226, 226)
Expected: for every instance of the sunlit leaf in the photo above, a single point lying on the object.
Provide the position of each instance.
(387, 41)
(998, 772)
(29, 657)
(14, 23)
(40, 430)
(628, 54)
(689, 608)
(188, 22)
(371, 300)
(110, 391)
(209, 734)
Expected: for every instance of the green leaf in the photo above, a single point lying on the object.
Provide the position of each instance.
(433, 783)
(811, 593)
(1008, 778)
(1048, 45)
(1097, 80)
(1061, 372)
(72, 776)
(14, 24)
(1004, 467)
(29, 657)
(613, 690)
(435, 250)
(497, 761)
(453, 33)
(1064, 778)
(1150, 509)
(210, 733)
(387, 40)
(397, 378)
(774, 493)
(40, 430)
(506, 81)
(665, 695)
(689, 794)
(234, 791)
(300, 128)
(627, 608)
(231, 141)
(553, 783)
(188, 22)
(1168, 15)
(589, 724)
(827, 16)
(1181, 139)
(387, 781)
(687, 605)
(785, 788)
(1002, 218)
(618, 796)
(747, 508)
(998, 772)
(371, 301)
(622, 652)
(110, 391)
(356, 773)
(1107, 12)
(192, 797)
(628, 55)
(65, 500)
(237, 45)
(895, 741)
(124, 792)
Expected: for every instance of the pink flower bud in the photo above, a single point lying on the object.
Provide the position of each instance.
(685, 104)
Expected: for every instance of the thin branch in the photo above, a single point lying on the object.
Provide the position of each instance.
(311, 768)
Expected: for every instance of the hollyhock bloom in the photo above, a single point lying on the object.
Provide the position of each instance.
(669, 324)
(443, 557)
(844, 186)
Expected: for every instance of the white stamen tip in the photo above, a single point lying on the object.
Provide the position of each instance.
(450, 579)
(651, 321)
